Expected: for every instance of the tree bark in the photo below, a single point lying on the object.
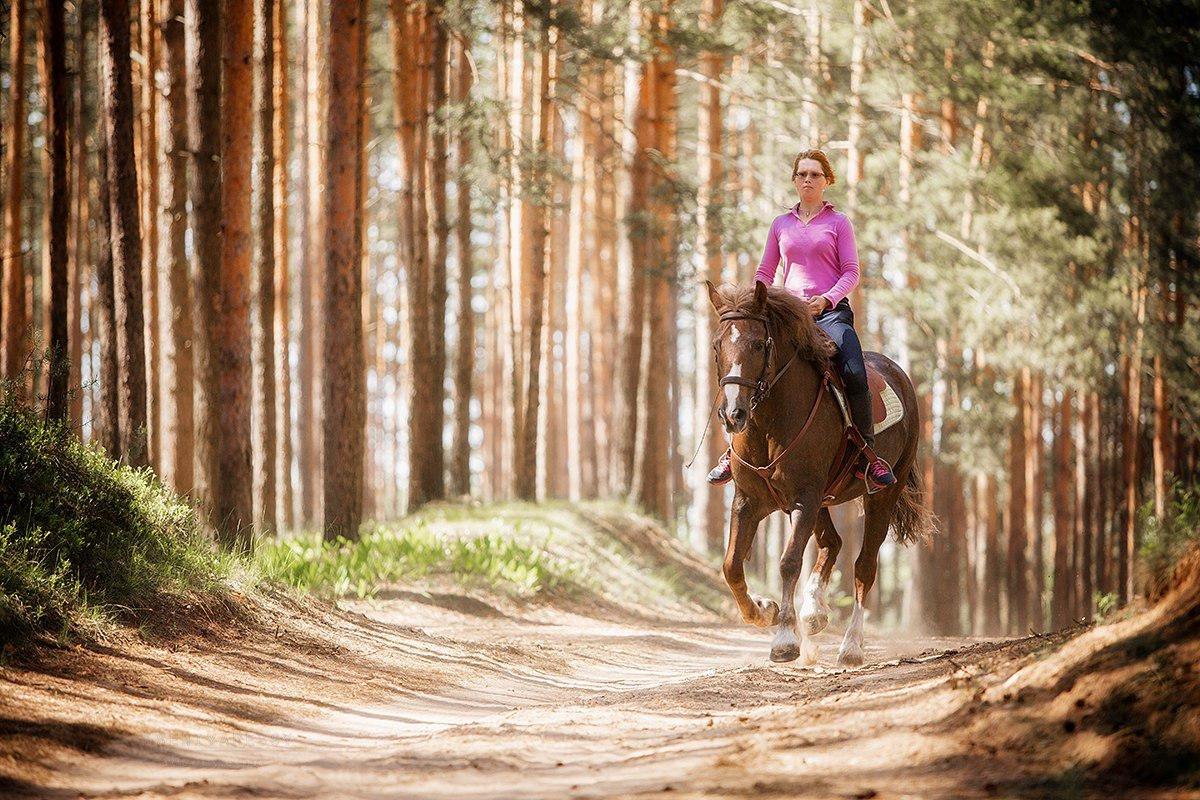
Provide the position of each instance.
(235, 477)
(435, 167)
(117, 90)
(525, 463)
(1064, 533)
(12, 302)
(263, 268)
(464, 362)
(148, 129)
(81, 252)
(282, 161)
(1017, 563)
(108, 418)
(709, 197)
(59, 92)
(180, 369)
(343, 373)
(653, 491)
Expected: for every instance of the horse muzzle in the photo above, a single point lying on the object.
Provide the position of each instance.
(735, 419)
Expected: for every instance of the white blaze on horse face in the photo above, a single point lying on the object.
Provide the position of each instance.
(732, 389)
(734, 334)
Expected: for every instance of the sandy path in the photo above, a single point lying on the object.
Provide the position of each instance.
(501, 706)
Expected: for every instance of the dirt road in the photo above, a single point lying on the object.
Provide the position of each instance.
(451, 697)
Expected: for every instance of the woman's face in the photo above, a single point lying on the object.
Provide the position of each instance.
(809, 180)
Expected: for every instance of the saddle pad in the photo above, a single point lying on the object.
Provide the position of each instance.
(886, 408)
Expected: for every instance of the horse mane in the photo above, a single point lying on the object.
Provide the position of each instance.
(791, 323)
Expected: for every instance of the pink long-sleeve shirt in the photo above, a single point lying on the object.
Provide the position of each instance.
(818, 258)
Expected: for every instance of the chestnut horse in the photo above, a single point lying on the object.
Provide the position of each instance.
(772, 358)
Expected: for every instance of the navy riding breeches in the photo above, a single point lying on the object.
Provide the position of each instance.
(838, 322)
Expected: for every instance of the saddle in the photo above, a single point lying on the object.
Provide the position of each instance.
(886, 411)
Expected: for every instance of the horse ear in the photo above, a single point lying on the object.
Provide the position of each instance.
(760, 295)
(714, 297)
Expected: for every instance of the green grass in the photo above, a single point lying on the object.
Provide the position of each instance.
(83, 540)
(390, 554)
(1165, 540)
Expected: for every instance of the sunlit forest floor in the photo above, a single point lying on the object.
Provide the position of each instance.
(432, 690)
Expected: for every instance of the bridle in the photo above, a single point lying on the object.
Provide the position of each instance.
(760, 386)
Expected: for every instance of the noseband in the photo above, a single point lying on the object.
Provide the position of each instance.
(759, 387)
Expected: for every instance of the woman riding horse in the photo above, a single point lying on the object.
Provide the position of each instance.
(820, 260)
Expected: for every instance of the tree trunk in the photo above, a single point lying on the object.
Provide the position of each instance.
(282, 161)
(1064, 533)
(81, 253)
(658, 261)
(993, 565)
(235, 476)
(1017, 565)
(1163, 460)
(306, 358)
(525, 464)
(58, 91)
(108, 418)
(117, 90)
(180, 367)
(630, 278)
(855, 157)
(311, 330)
(343, 370)
(263, 357)
(709, 157)
(148, 129)
(573, 340)
(408, 46)
(440, 227)
(464, 362)
(12, 302)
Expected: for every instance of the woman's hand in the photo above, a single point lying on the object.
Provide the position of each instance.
(818, 304)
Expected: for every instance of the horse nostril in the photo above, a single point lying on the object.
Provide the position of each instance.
(738, 415)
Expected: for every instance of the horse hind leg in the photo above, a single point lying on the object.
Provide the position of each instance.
(814, 611)
(878, 514)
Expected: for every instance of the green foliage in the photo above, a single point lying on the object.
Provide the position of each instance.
(1106, 604)
(82, 538)
(1166, 540)
(386, 555)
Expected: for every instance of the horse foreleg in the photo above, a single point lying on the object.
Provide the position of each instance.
(866, 567)
(787, 646)
(814, 612)
(743, 524)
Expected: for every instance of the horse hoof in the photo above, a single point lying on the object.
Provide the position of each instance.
(781, 654)
(815, 623)
(768, 612)
(786, 646)
(850, 658)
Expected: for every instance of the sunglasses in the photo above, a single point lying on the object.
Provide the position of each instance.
(813, 175)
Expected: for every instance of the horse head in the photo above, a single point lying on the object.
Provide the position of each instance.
(758, 322)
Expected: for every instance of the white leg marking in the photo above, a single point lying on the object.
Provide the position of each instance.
(814, 611)
(809, 651)
(851, 653)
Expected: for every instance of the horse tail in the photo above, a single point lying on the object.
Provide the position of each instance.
(912, 521)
